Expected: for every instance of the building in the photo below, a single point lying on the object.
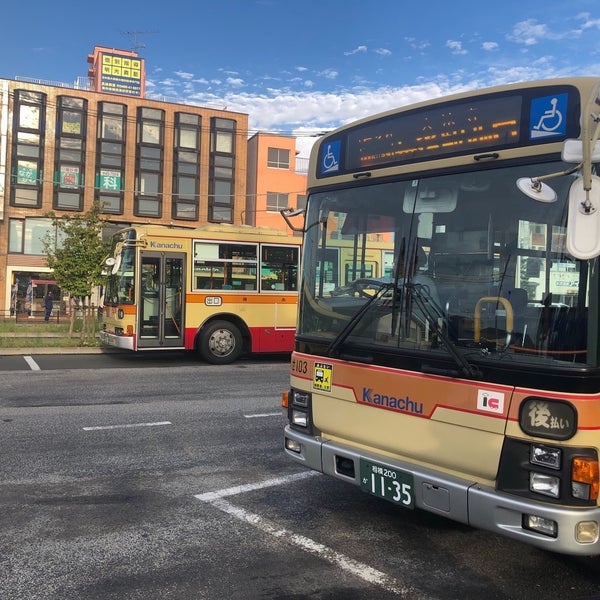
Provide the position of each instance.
(145, 160)
(276, 179)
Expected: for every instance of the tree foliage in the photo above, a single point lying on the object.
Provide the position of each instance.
(77, 259)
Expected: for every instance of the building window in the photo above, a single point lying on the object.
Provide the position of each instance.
(27, 149)
(149, 162)
(276, 201)
(301, 201)
(278, 158)
(27, 236)
(221, 173)
(110, 157)
(186, 154)
(69, 165)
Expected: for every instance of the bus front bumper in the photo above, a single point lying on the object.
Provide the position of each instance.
(125, 342)
(458, 499)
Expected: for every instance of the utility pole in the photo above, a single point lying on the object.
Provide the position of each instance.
(134, 38)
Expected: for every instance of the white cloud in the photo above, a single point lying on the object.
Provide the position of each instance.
(455, 47)
(184, 75)
(383, 52)
(529, 32)
(329, 73)
(588, 22)
(235, 81)
(488, 46)
(415, 44)
(357, 50)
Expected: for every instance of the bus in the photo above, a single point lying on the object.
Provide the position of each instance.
(465, 379)
(221, 290)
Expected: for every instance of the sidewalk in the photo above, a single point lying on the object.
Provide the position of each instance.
(26, 349)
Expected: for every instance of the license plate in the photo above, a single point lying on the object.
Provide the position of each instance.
(385, 482)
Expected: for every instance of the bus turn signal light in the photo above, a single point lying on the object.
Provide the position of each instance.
(284, 399)
(585, 476)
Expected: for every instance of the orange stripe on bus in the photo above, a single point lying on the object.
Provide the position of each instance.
(243, 299)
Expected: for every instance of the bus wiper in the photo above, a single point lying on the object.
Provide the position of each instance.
(355, 320)
(421, 296)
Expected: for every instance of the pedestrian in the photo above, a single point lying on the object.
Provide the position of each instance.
(48, 305)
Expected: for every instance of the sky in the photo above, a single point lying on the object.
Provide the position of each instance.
(302, 68)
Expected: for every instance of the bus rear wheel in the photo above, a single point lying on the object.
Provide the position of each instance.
(220, 343)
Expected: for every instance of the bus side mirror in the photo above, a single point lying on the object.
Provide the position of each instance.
(583, 225)
(287, 213)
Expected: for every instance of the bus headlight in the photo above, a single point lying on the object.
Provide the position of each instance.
(548, 485)
(300, 409)
(545, 456)
(299, 418)
(541, 525)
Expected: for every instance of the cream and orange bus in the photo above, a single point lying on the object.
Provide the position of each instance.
(222, 290)
(465, 381)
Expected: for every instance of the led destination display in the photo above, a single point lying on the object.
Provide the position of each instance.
(469, 126)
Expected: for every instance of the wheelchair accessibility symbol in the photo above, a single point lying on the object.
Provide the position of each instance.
(548, 117)
(330, 157)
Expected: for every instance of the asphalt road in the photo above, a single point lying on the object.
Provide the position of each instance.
(159, 477)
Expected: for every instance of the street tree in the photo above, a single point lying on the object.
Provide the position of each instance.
(76, 256)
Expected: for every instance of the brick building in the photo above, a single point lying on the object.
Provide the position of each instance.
(145, 160)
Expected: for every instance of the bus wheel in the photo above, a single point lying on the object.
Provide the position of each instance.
(220, 343)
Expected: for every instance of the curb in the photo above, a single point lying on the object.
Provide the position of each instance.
(68, 350)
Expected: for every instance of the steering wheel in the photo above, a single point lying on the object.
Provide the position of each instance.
(357, 287)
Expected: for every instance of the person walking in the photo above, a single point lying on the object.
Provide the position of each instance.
(48, 305)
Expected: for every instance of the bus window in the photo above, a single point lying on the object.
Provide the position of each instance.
(279, 269)
(225, 266)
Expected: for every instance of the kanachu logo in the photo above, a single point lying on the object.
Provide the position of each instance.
(490, 401)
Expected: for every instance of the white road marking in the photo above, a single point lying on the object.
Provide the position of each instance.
(259, 415)
(250, 487)
(354, 567)
(98, 428)
(32, 364)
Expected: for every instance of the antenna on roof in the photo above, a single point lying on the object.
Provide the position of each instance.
(134, 38)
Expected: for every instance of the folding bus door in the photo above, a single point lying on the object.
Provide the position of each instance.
(161, 312)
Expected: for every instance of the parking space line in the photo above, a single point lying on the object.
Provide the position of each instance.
(259, 415)
(356, 568)
(32, 364)
(250, 487)
(127, 425)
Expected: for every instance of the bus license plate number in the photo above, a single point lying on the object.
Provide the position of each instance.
(385, 482)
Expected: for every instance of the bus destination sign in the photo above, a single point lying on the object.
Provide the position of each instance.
(480, 124)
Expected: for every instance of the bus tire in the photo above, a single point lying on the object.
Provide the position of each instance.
(220, 343)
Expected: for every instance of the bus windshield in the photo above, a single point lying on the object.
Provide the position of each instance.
(121, 277)
(463, 265)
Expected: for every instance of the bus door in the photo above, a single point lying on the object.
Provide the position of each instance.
(162, 293)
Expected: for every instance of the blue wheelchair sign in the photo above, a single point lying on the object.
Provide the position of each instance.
(330, 157)
(548, 116)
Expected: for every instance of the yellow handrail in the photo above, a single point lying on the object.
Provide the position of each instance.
(495, 300)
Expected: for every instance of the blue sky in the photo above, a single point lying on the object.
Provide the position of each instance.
(303, 67)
